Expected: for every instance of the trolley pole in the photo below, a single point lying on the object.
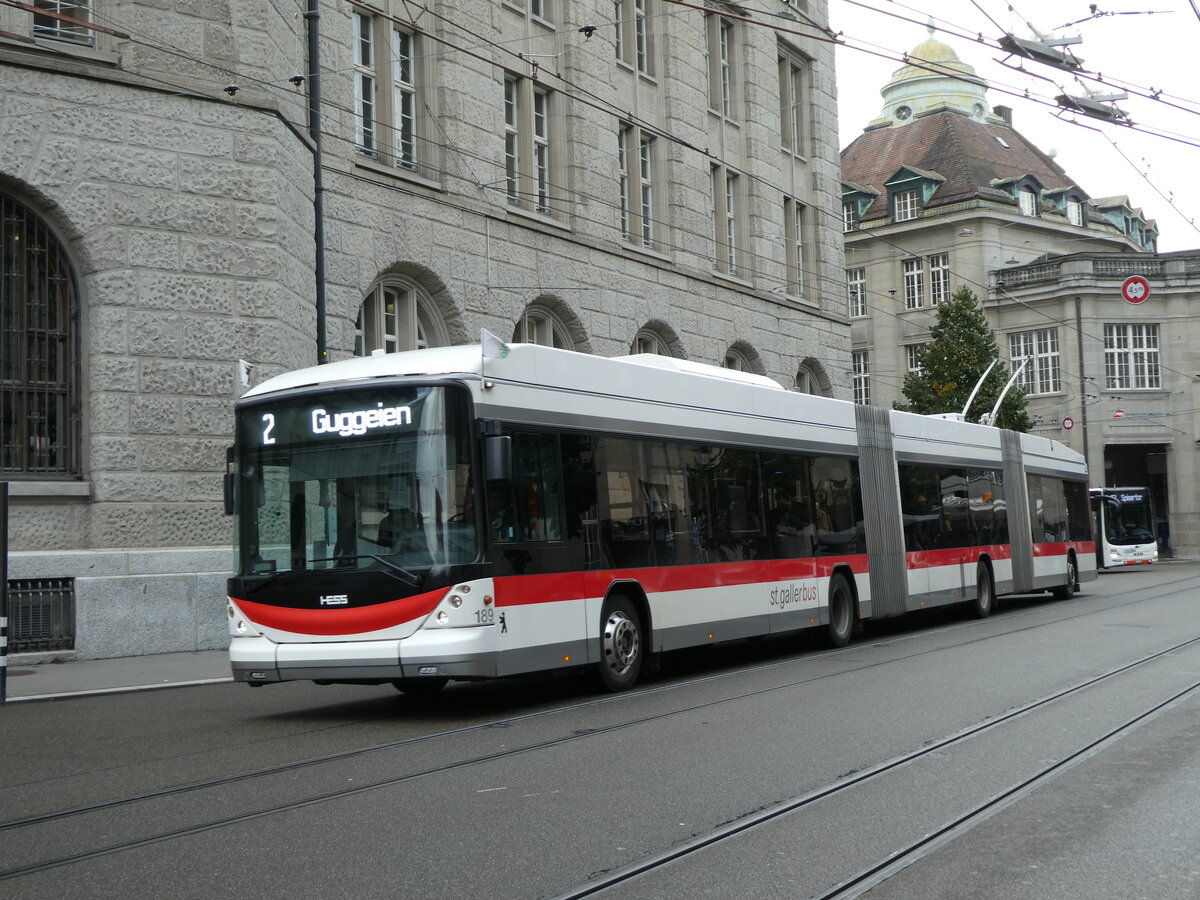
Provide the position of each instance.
(3, 591)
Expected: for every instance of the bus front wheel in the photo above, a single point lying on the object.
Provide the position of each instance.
(622, 644)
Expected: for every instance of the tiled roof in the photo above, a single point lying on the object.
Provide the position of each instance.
(966, 152)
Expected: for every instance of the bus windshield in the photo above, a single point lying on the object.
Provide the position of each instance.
(1130, 523)
(368, 478)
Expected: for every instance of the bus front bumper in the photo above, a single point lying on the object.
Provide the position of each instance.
(463, 653)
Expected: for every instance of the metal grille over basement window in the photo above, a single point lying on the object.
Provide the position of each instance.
(39, 356)
(41, 614)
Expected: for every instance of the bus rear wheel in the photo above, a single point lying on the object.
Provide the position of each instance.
(622, 644)
(1067, 591)
(841, 612)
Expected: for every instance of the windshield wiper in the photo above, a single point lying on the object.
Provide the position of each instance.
(412, 579)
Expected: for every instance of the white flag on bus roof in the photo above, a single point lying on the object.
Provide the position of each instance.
(493, 347)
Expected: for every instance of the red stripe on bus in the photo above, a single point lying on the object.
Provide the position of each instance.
(1060, 548)
(359, 620)
(929, 559)
(519, 590)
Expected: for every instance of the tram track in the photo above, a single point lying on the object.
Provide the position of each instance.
(342, 756)
(51, 818)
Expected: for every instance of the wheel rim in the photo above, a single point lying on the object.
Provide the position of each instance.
(622, 643)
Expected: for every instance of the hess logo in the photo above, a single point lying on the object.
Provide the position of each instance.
(334, 599)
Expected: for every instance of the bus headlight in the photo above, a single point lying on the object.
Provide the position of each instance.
(1114, 555)
(443, 617)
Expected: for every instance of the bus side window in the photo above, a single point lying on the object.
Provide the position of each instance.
(538, 495)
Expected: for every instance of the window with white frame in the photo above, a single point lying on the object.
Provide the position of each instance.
(1075, 212)
(724, 218)
(364, 82)
(720, 63)
(65, 20)
(912, 357)
(528, 160)
(540, 325)
(398, 315)
(914, 284)
(861, 371)
(906, 205)
(856, 292)
(939, 278)
(795, 221)
(736, 359)
(793, 100)
(849, 216)
(538, 9)
(637, 151)
(634, 34)
(1039, 351)
(1027, 200)
(1131, 357)
(388, 113)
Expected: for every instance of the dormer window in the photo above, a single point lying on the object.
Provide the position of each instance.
(849, 216)
(1075, 212)
(906, 205)
(1027, 199)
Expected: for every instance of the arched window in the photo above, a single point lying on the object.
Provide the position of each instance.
(540, 325)
(650, 341)
(741, 357)
(398, 315)
(39, 348)
(811, 378)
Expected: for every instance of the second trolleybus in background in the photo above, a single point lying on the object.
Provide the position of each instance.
(419, 517)
(1125, 526)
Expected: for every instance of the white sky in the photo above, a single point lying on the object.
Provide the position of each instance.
(1156, 51)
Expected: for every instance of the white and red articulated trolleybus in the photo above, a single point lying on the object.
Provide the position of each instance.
(440, 515)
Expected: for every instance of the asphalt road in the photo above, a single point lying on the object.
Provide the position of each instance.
(1052, 750)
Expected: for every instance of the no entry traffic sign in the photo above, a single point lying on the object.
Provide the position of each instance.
(1135, 289)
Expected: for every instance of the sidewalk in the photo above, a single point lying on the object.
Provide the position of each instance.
(55, 680)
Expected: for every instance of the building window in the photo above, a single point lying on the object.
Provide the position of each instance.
(737, 360)
(793, 101)
(861, 361)
(364, 83)
(398, 315)
(650, 341)
(1028, 202)
(62, 29)
(637, 185)
(856, 292)
(538, 9)
(1075, 212)
(39, 348)
(634, 35)
(527, 136)
(387, 102)
(795, 221)
(720, 64)
(1040, 348)
(906, 205)
(541, 326)
(849, 216)
(939, 278)
(912, 354)
(914, 284)
(724, 218)
(1131, 357)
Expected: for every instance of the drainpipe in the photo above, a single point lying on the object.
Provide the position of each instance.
(312, 19)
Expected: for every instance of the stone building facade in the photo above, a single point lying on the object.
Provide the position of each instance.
(612, 178)
(941, 191)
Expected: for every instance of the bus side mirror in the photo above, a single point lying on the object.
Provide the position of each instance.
(228, 486)
(497, 457)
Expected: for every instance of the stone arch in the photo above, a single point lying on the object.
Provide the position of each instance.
(663, 336)
(559, 318)
(437, 313)
(742, 356)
